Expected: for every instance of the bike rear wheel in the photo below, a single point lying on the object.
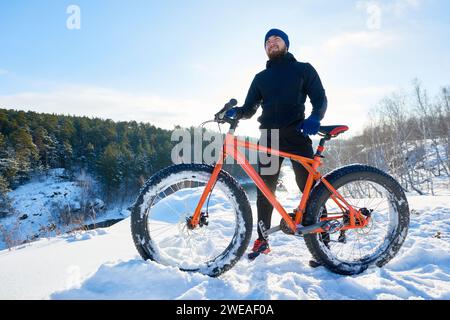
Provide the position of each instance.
(159, 220)
(377, 195)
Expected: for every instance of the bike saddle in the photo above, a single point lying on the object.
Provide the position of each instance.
(332, 131)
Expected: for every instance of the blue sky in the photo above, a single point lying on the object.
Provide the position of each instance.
(177, 62)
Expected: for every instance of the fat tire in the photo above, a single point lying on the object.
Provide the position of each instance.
(226, 260)
(319, 196)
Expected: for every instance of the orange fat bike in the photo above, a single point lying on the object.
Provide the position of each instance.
(198, 218)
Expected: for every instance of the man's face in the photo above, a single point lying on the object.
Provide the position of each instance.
(275, 47)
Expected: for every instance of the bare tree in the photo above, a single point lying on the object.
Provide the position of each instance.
(407, 135)
(428, 119)
(443, 109)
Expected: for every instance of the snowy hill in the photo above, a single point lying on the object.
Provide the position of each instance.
(51, 205)
(103, 264)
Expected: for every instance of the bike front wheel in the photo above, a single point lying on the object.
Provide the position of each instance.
(161, 214)
(371, 192)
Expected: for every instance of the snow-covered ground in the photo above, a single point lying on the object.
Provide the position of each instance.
(104, 264)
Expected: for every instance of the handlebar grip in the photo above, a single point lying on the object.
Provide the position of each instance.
(219, 115)
(230, 104)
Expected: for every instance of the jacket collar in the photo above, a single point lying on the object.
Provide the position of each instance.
(287, 58)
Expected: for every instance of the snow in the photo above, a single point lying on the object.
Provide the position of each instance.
(36, 270)
(104, 264)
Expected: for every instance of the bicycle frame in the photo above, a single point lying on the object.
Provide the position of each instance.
(230, 148)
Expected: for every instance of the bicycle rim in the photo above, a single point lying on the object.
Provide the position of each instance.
(169, 206)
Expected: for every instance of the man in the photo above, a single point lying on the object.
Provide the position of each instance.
(281, 90)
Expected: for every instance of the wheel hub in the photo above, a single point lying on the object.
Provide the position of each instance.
(203, 221)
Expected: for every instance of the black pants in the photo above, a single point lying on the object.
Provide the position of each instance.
(289, 141)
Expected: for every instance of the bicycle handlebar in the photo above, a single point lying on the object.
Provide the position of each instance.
(219, 116)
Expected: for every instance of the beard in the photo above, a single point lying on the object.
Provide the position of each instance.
(276, 53)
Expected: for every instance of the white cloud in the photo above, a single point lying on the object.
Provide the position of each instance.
(347, 105)
(367, 39)
(350, 105)
(373, 37)
(350, 97)
(390, 6)
(200, 67)
(398, 7)
(376, 9)
(3, 72)
(107, 103)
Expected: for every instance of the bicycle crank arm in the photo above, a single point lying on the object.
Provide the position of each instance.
(265, 232)
(273, 230)
(330, 226)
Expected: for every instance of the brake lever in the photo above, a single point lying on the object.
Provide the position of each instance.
(205, 122)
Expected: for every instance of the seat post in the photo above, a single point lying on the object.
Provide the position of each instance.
(321, 146)
(328, 132)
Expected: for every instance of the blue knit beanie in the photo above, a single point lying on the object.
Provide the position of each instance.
(279, 33)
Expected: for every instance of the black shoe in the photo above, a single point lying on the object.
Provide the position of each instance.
(314, 264)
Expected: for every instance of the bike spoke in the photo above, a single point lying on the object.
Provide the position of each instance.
(175, 243)
(363, 243)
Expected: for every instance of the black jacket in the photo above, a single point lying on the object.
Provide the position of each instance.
(281, 90)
